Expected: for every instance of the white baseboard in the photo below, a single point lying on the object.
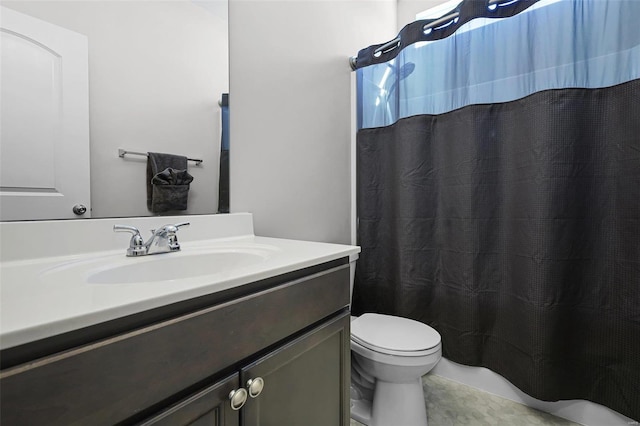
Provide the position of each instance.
(579, 411)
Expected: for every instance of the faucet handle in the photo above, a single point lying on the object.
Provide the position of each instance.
(126, 228)
(172, 237)
(170, 229)
(136, 244)
(174, 228)
(167, 235)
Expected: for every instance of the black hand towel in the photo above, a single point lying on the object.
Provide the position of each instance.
(171, 176)
(168, 192)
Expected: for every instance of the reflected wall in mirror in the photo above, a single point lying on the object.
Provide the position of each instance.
(157, 71)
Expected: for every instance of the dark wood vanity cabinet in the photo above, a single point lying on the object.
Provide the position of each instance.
(304, 384)
(306, 381)
(291, 335)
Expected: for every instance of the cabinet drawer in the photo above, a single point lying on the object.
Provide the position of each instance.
(114, 379)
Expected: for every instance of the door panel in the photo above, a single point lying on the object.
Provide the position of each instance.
(44, 139)
(306, 382)
(209, 407)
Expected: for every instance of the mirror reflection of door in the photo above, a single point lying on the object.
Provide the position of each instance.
(44, 141)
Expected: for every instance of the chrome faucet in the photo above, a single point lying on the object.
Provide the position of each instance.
(163, 240)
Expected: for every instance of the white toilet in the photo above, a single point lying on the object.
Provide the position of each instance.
(389, 355)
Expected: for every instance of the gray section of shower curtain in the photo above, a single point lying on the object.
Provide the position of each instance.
(513, 229)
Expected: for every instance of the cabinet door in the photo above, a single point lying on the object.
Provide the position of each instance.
(209, 407)
(306, 382)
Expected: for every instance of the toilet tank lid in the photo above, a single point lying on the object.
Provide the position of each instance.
(394, 333)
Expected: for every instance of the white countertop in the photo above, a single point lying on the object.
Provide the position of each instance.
(44, 296)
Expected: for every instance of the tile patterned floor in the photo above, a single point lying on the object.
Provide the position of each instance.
(453, 404)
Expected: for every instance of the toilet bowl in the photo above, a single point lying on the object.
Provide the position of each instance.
(389, 356)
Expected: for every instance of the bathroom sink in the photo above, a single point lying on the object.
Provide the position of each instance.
(187, 265)
(174, 266)
(79, 275)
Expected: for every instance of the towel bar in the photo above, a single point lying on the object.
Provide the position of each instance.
(123, 152)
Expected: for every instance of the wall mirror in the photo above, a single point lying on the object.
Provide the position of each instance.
(157, 72)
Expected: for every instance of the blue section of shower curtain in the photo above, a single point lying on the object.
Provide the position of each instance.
(553, 44)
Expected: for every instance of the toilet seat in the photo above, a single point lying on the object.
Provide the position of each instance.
(391, 335)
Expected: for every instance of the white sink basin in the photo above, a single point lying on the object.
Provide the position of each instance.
(175, 266)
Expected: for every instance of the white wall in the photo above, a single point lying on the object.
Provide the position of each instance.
(407, 10)
(290, 110)
(157, 70)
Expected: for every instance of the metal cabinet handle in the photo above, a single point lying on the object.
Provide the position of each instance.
(238, 397)
(255, 386)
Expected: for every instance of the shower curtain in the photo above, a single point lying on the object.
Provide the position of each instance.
(498, 191)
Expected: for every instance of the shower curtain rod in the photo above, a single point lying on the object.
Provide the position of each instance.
(395, 43)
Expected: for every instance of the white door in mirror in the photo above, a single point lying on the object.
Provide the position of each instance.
(44, 144)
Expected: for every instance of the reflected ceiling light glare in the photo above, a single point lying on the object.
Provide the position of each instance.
(495, 5)
(385, 76)
(453, 21)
